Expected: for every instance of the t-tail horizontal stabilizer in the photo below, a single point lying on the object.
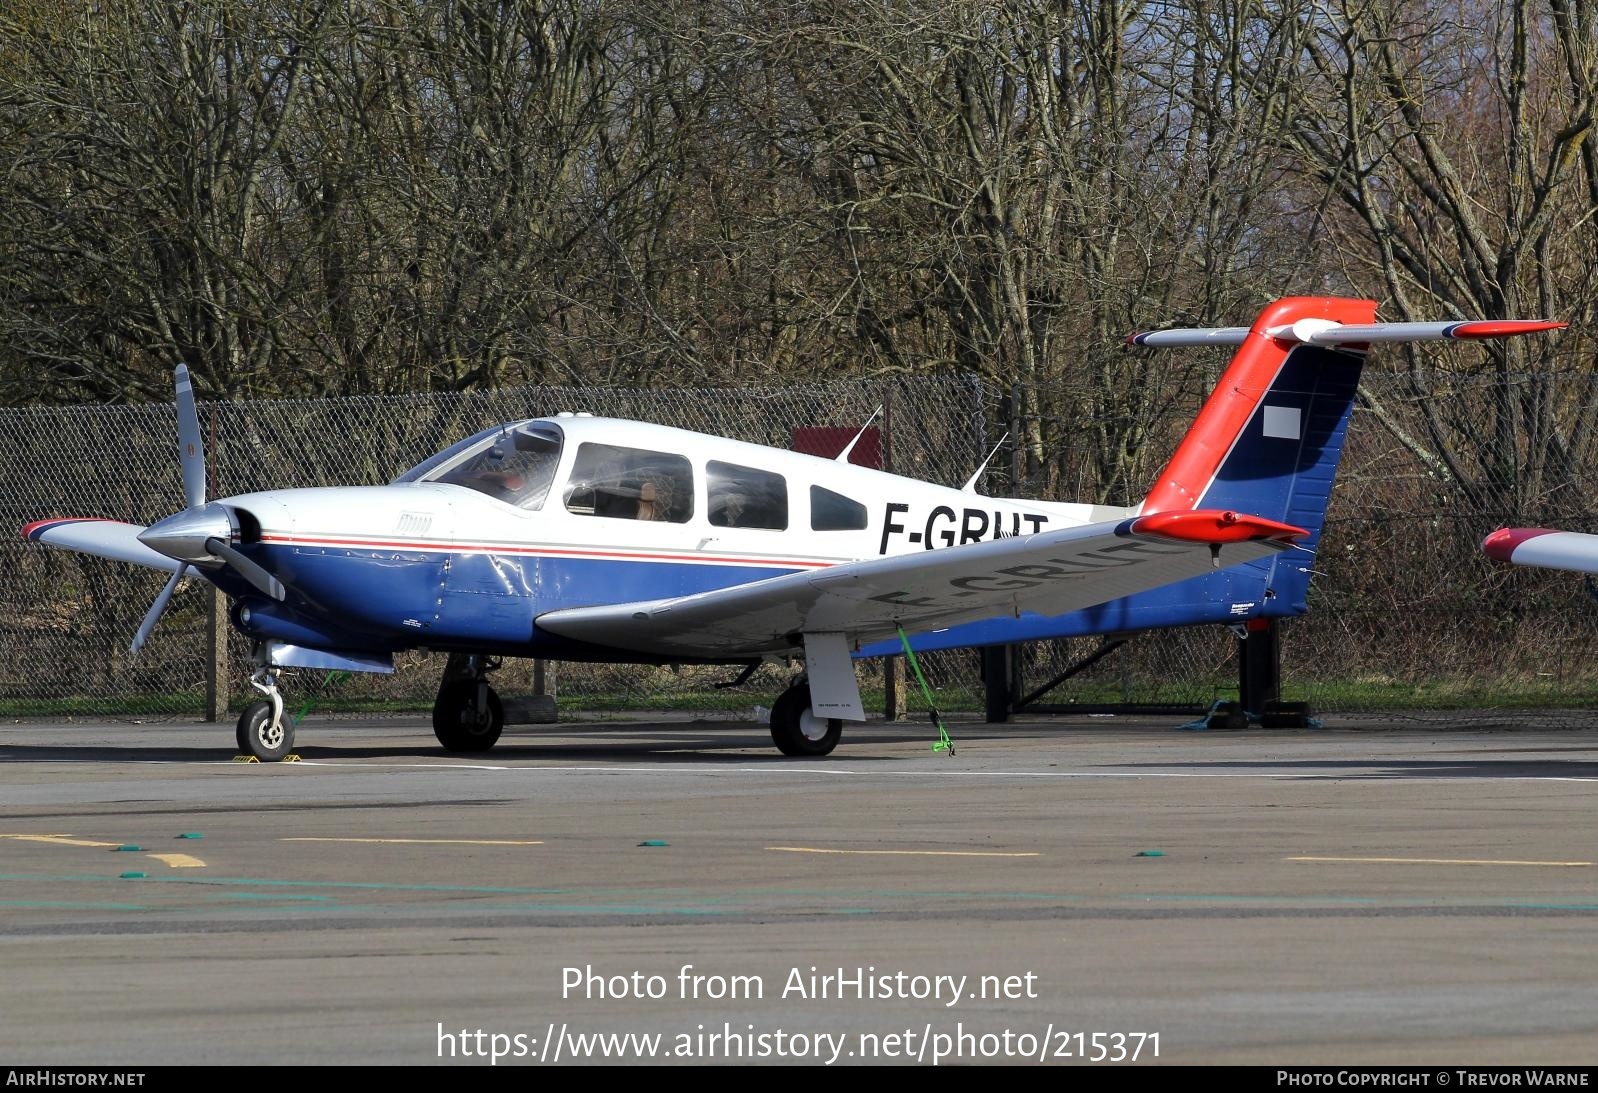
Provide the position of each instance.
(1328, 332)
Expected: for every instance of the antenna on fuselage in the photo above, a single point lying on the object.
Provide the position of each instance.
(972, 481)
(843, 456)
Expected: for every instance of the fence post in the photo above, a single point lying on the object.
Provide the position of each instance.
(216, 672)
(893, 697)
(996, 676)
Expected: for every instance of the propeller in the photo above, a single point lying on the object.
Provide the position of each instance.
(203, 531)
(191, 449)
(156, 608)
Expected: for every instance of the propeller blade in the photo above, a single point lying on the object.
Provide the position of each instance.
(191, 449)
(154, 614)
(260, 578)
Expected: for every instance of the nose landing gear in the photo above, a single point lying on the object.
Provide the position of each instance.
(262, 730)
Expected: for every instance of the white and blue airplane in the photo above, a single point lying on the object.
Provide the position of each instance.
(574, 537)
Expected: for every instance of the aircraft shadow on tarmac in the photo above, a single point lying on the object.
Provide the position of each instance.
(1381, 769)
(686, 745)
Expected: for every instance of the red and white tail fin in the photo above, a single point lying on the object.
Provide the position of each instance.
(1280, 408)
(1268, 440)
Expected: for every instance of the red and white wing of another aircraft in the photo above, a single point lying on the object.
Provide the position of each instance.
(1545, 548)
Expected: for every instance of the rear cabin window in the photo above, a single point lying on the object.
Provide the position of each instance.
(834, 512)
(630, 484)
(746, 497)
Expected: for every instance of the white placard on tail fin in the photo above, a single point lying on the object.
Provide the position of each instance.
(1283, 422)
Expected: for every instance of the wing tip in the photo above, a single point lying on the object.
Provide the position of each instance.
(38, 528)
(1501, 545)
(1216, 526)
(1503, 328)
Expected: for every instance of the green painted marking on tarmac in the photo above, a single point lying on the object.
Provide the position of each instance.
(279, 897)
(126, 847)
(131, 876)
(1222, 897)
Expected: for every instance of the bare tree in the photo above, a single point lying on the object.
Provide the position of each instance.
(1450, 155)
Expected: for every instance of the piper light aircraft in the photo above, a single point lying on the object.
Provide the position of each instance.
(574, 537)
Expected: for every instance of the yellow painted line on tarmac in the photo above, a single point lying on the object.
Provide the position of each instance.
(427, 842)
(179, 861)
(59, 840)
(1450, 861)
(913, 853)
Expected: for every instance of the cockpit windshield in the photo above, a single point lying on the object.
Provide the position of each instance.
(513, 463)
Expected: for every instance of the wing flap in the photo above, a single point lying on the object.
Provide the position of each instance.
(1048, 573)
(104, 538)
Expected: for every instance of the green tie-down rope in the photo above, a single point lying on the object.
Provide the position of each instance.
(336, 676)
(945, 743)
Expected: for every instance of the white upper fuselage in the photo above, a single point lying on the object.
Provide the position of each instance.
(900, 514)
(609, 511)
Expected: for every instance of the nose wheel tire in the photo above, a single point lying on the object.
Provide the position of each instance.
(798, 732)
(459, 724)
(258, 736)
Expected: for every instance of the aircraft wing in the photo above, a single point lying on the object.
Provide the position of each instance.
(1049, 573)
(1544, 547)
(105, 538)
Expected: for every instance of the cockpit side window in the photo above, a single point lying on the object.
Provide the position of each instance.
(746, 497)
(630, 484)
(834, 512)
(516, 465)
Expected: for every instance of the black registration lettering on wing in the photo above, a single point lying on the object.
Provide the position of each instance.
(1017, 578)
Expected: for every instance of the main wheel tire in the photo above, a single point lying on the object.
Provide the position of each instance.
(796, 730)
(257, 735)
(456, 721)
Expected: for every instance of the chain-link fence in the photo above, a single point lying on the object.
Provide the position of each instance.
(1407, 615)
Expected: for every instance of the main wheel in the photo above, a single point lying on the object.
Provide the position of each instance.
(796, 730)
(259, 737)
(456, 722)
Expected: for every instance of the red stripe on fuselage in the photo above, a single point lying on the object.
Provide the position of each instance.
(1242, 386)
(563, 552)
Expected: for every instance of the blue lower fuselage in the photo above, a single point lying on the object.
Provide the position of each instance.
(392, 600)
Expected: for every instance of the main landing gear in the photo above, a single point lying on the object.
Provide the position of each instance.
(263, 731)
(796, 730)
(467, 715)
